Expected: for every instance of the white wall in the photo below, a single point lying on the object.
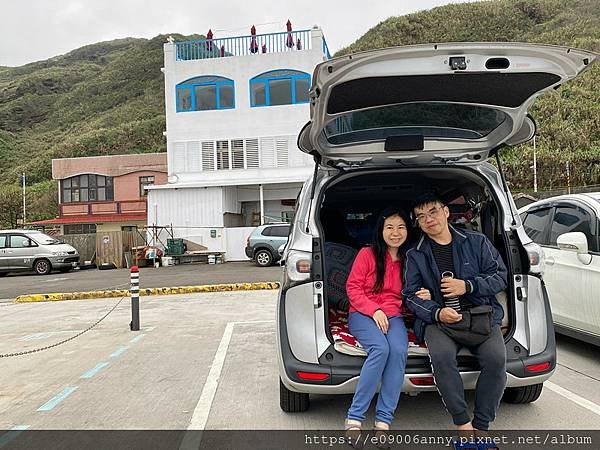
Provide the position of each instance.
(197, 207)
(236, 242)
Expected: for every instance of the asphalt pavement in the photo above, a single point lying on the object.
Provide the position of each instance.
(17, 284)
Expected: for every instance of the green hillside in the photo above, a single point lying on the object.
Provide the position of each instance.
(108, 98)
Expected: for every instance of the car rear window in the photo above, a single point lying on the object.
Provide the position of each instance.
(430, 119)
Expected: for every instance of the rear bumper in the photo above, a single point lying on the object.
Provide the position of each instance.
(249, 252)
(408, 387)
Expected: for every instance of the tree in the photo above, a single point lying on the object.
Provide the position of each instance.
(11, 205)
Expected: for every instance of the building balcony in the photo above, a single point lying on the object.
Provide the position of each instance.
(103, 208)
(248, 45)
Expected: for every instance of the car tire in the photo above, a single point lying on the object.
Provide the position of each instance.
(263, 258)
(291, 401)
(42, 267)
(523, 394)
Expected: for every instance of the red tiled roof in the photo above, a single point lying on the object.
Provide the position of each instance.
(93, 218)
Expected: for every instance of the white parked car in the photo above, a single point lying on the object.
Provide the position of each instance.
(568, 227)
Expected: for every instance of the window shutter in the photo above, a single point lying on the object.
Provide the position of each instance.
(267, 152)
(208, 155)
(193, 157)
(179, 157)
(281, 146)
(252, 160)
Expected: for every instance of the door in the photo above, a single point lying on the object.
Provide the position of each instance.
(574, 283)
(21, 252)
(426, 104)
(3, 251)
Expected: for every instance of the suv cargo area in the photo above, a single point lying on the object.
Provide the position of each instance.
(351, 202)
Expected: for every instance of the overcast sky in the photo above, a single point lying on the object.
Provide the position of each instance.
(39, 29)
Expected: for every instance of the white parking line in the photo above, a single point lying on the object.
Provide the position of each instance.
(590, 406)
(200, 416)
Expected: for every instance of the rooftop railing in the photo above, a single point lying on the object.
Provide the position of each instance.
(245, 45)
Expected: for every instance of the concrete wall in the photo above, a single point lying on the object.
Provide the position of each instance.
(113, 166)
(127, 187)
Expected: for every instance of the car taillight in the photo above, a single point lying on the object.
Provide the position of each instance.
(297, 267)
(537, 258)
(315, 376)
(542, 367)
(422, 381)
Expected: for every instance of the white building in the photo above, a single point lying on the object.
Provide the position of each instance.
(234, 107)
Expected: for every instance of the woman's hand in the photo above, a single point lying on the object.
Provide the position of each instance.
(424, 294)
(381, 321)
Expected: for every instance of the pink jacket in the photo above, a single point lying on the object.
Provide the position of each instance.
(359, 286)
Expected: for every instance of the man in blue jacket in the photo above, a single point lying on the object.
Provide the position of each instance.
(473, 274)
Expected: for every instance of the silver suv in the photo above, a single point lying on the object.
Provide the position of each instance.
(386, 125)
(25, 250)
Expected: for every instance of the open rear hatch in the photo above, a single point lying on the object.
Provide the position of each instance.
(431, 103)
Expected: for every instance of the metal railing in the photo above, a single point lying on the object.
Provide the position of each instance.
(245, 45)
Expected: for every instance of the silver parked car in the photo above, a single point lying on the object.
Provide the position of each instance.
(25, 250)
(385, 126)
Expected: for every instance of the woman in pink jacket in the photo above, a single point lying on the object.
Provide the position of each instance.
(374, 289)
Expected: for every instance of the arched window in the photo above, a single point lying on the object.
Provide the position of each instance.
(279, 87)
(205, 93)
(87, 188)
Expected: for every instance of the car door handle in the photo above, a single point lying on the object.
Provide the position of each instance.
(550, 260)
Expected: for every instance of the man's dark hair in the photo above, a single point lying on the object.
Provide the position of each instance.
(427, 198)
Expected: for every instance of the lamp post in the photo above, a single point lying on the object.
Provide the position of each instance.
(534, 166)
(23, 179)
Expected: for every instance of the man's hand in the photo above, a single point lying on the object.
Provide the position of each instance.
(449, 315)
(423, 293)
(453, 287)
(381, 321)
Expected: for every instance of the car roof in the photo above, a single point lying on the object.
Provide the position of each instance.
(20, 231)
(586, 197)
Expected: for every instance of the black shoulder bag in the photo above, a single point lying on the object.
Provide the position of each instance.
(474, 328)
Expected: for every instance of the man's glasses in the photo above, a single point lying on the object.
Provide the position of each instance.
(433, 212)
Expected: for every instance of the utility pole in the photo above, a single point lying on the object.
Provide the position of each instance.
(23, 199)
(535, 186)
(568, 178)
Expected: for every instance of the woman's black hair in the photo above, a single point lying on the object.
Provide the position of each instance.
(379, 246)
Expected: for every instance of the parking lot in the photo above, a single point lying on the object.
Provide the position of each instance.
(16, 284)
(208, 362)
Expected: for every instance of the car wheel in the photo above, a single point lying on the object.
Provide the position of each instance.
(263, 258)
(290, 401)
(523, 394)
(42, 267)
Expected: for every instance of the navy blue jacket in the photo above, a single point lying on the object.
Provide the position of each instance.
(475, 260)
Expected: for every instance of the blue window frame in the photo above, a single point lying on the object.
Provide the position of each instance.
(205, 93)
(279, 87)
